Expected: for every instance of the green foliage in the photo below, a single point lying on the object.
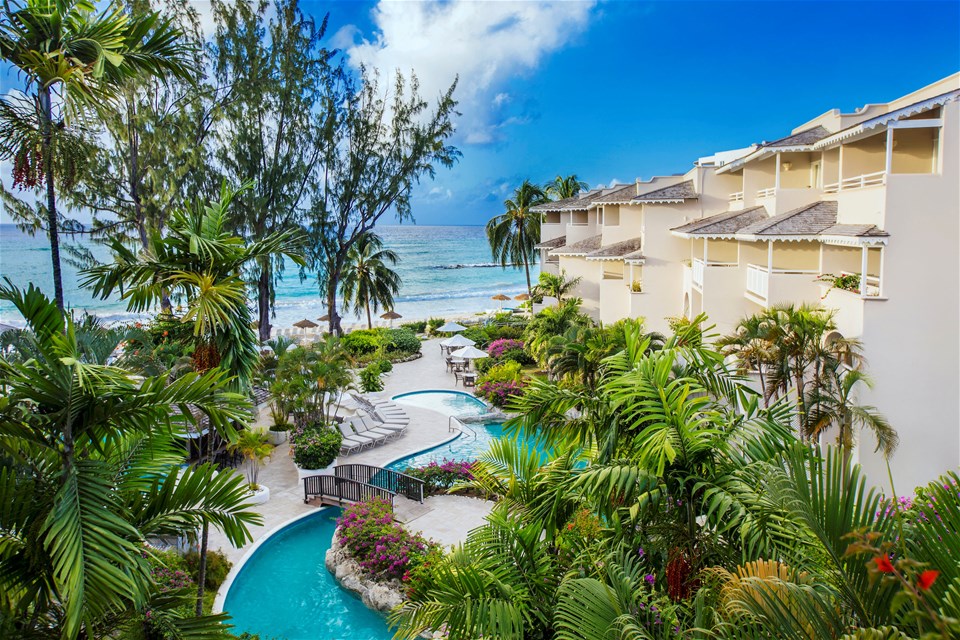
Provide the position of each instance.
(218, 567)
(310, 378)
(315, 446)
(514, 233)
(433, 324)
(368, 281)
(385, 366)
(401, 341)
(362, 341)
(503, 372)
(91, 469)
(370, 380)
(417, 326)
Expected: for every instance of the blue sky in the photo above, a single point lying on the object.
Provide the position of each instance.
(621, 90)
(618, 90)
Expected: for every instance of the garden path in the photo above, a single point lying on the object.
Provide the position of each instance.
(446, 519)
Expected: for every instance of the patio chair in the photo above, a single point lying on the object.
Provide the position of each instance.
(469, 379)
(352, 441)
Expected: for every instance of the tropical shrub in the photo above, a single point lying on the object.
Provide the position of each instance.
(370, 380)
(499, 392)
(218, 567)
(433, 324)
(315, 446)
(385, 366)
(169, 570)
(520, 356)
(401, 341)
(362, 341)
(438, 477)
(379, 545)
(497, 348)
(503, 372)
(417, 326)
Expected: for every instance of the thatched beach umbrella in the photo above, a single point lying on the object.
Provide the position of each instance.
(500, 298)
(324, 318)
(391, 316)
(305, 324)
(522, 297)
(451, 327)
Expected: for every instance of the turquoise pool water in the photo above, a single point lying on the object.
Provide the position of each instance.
(285, 591)
(449, 403)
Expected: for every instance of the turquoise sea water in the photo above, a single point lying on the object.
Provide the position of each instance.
(446, 271)
(285, 591)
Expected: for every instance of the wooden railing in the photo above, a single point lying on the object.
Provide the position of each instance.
(857, 182)
(393, 481)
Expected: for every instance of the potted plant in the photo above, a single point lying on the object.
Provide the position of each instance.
(281, 425)
(253, 445)
(315, 449)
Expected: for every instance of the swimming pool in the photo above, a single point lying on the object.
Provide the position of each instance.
(285, 591)
(449, 403)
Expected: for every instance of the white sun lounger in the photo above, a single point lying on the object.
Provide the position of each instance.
(370, 423)
(353, 441)
(372, 430)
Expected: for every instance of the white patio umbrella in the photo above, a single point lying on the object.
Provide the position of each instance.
(451, 327)
(470, 353)
(458, 341)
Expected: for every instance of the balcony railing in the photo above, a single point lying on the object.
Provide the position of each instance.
(870, 289)
(857, 182)
(767, 193)
(698, 273)
(736, 197)
(758, 281)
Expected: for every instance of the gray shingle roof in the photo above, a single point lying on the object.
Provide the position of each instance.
(855, 231)
(727, 223)
(680, 191)
(555, 205)
(552, 244)
(636, 256)
(807, 220)
(622, 195)
(617, 249)
(808, 136)
(581, 248)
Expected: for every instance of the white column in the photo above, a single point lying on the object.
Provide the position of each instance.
(704, 251)
(840, 170)
(769, 256)
(863, 270)
(889, 164)
(883, 252)
(776, 183)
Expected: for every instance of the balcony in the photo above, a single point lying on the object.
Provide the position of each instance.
(857, 182)
(697, 275)
(767, 287)
(736, 197)
(767, 193)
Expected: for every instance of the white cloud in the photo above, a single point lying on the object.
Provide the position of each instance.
(485, 43)
(438, 194)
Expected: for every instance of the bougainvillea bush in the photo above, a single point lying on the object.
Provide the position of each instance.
(438, 477)
(381, 546)
(499, 392)
(498, 347)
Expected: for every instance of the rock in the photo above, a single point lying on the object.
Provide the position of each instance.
(375, 595)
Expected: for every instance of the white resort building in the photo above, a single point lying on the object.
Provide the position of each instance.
(873, 195)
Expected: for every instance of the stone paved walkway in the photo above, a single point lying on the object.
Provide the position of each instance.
(446, 519)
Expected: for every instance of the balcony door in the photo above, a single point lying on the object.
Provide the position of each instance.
(816, 177)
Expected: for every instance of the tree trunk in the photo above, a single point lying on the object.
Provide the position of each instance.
(332, 281)
(263, 302)
(46, 108)
(202, 569)
(369, 317)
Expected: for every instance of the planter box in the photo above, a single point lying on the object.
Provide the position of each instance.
(327, 471)
(259, 496)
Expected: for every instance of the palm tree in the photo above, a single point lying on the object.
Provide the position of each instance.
(309, 379)
(514, 233)
(555, 285)
(90, 470)
(199, 261)
(551, 322)
(565, 187)
(367, 279)
(832, 404)
(75, 62)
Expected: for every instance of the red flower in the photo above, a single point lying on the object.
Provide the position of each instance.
(883, 564)
(166, 333)
(927, 578)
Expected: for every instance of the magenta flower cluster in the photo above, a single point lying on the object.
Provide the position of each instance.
(498, 392)
(498, 347)
(171, 579)
(378, 544)
(440, 476)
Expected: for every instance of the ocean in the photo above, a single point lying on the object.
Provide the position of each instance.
(447, 271)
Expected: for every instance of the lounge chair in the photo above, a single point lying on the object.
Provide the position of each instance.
(372, 429)
(372, 421)
(353, 441)
(393, 418)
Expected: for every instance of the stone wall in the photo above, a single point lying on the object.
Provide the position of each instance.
(376, 595)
